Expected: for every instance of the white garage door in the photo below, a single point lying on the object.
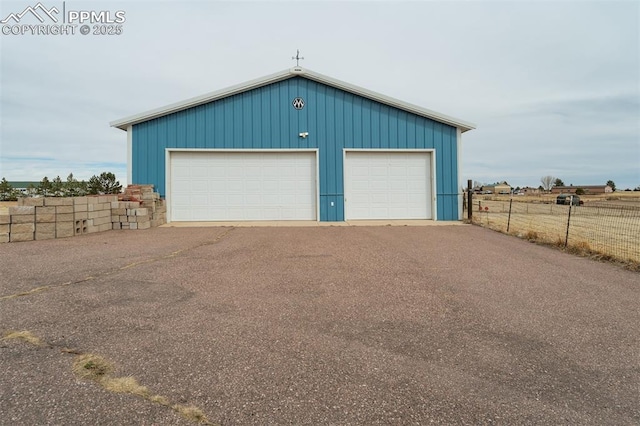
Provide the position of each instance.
(387, 185)
(209, 186)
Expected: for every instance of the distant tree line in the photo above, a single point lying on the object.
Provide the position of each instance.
(549, 182)
(105, 183)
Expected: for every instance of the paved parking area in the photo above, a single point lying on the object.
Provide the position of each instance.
(319, 325)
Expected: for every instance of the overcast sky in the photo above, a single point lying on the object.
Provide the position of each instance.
(553, 87)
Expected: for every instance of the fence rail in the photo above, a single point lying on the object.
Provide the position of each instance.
(608, 229)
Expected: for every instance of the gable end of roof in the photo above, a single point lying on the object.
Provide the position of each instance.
(125, 122)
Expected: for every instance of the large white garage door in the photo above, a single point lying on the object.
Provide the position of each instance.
(387, 185)
(228, 186)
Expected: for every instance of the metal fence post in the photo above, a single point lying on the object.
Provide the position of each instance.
(566, 237)
(469, 200)
(509, 219)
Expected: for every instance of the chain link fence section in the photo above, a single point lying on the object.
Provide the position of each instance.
(607, 229)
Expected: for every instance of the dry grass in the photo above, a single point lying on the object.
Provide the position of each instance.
(531, 235)
(99, 370)
(624, 197)
(600, 230)
(25, 336)
(92, 367)
(96, 368)
(192, 413)
(159, 399)
(582, 246)
(26, 293)
(124, 385)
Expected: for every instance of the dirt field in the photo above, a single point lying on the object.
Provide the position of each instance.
(610, 228)
(332, 325)
(619, 197)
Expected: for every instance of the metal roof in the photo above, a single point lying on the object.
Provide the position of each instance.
(123, 123)
(22, 184)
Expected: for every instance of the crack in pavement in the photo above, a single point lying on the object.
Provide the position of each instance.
(97, 369)
(114, 271)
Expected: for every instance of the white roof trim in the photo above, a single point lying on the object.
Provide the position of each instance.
(123, 123)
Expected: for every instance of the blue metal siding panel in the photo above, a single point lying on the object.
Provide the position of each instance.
(265, 118)
(355, 130)
(236, 122)
(393, 129)
(376, 126)
(411, 131)
(401, 129)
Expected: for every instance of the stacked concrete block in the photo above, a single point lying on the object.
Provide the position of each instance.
(118, 210)
(99, 213)
(129, 215)
(139, 193)
(45, 220)
(64, 215)
(159, 216)
(5, 227)
(23, 223)
(143, 219)
(57, 217)
(80, 215)
(143, 195)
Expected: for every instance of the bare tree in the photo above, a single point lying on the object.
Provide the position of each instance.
(547, 182)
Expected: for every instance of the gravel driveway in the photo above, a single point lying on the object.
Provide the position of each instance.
(322, 325)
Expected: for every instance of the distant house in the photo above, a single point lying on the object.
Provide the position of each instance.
(530, 190)
(22, 186)
(500, 188)
(588, 189)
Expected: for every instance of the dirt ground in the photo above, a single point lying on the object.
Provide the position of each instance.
(611, 231)
(331, 325)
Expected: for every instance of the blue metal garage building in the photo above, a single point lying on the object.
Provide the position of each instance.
(298, 145)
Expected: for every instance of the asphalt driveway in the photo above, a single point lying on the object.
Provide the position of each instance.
(322, 325)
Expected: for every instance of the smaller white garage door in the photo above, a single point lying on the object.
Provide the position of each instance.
(228, 186)
(387, 185)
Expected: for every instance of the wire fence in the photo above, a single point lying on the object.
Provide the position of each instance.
(608, 229)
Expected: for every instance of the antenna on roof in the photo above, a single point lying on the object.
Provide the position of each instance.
(297, 57)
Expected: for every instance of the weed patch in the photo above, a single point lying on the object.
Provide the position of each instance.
(93, 367)
(96, 368)
(25, 336)
(581, 248)
(191, 412)
(125, 385)
(159, 399)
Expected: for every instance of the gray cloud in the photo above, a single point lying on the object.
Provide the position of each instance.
(544, 81)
